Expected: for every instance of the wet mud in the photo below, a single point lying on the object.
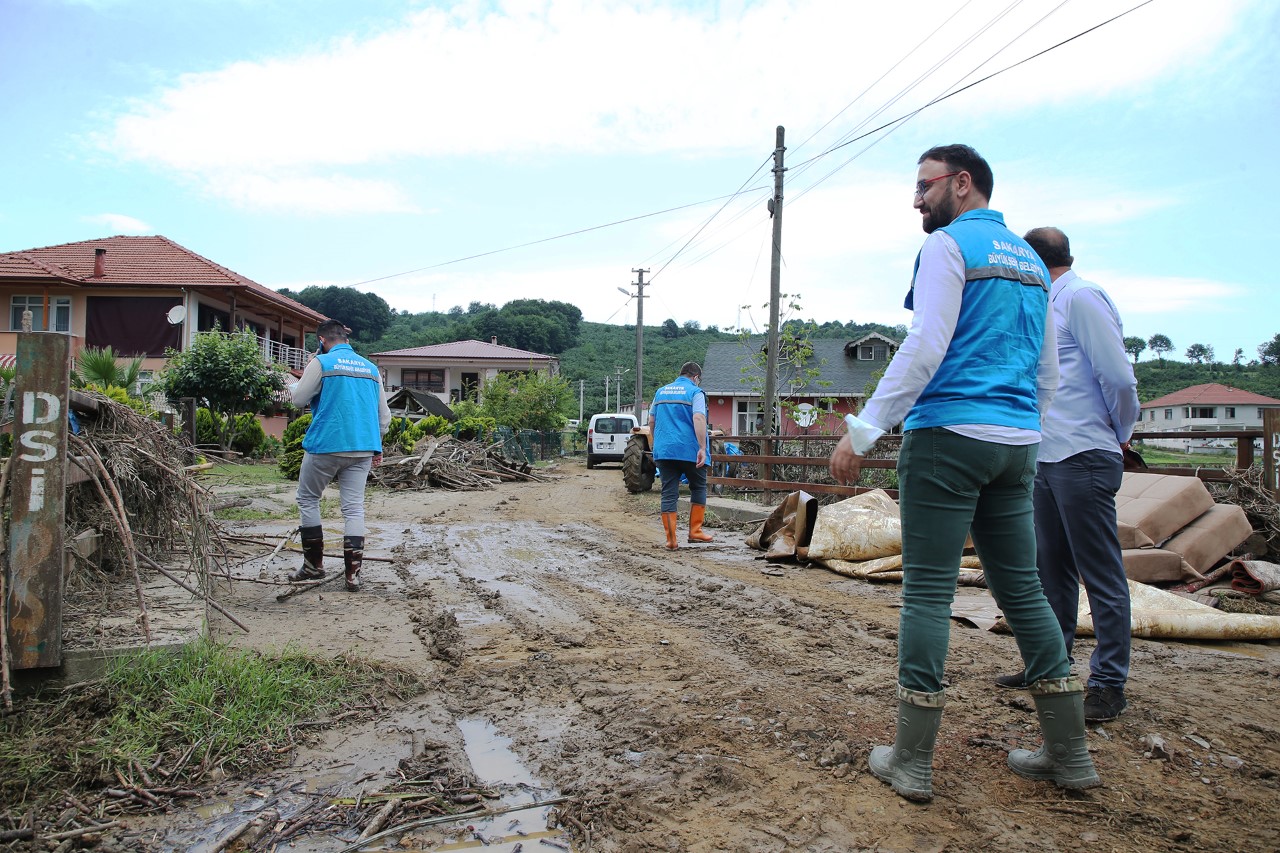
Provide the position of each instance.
(695, 701)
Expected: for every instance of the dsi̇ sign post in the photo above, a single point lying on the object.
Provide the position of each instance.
(1271, 451)
(38, 496)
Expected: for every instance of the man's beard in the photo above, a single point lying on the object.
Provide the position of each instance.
(941, 214)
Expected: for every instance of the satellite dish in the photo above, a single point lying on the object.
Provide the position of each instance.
(176, 315)
(805, 415)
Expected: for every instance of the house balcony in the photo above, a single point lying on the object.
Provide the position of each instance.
(275, 352)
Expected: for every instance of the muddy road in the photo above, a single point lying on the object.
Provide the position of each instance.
(690, 701)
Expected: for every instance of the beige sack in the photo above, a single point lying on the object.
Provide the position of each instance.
(857, 529)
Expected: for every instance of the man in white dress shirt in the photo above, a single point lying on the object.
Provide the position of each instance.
(1080, 464)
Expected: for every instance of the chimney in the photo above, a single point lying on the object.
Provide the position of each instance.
(493, 339)
(99, 263)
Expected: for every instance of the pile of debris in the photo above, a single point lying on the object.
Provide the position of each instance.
(448, 463)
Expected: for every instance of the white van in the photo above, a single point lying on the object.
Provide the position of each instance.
(607, 437)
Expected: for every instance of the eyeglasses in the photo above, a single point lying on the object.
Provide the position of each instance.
(922, 187)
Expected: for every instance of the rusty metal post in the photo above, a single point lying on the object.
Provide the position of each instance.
(1271, 451)
(38, 495)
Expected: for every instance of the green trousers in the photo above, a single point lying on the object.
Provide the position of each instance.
(951, 487)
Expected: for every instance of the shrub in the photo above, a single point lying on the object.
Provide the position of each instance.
(475, 427)
(435, 425)
(291, 459)
(248, 435)
(208, 427)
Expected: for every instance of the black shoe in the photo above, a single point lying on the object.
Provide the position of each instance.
(1103, 703)
(306, 573)
(1017, 681)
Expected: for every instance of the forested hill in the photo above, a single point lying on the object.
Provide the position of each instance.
(590, 351)
(1157, 378)
(587, 351)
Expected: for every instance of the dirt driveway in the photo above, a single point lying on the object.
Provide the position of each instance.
(692, 702)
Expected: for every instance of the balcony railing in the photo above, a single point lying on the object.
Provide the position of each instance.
(275, 352)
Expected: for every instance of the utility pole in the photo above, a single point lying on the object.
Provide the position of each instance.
(582, 385)
(618, 390)
(639, 339)
(775, 295)
(606, 393)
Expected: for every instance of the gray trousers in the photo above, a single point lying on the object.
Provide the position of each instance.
(321, 469)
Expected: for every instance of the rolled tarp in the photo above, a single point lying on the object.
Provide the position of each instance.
(1157, 614)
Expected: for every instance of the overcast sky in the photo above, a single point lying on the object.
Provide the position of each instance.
(380, 144)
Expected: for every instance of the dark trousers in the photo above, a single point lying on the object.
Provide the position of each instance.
(671, 469)
(951, 487)
(1077, 542)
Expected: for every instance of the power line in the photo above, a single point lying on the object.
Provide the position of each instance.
(794, 169)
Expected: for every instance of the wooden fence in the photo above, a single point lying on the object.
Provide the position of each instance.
(762, 455)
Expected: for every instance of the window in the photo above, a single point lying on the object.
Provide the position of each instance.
(873, 352)
(1152, 414)
(59, 306)
(1168, 415)
(1229, 412)
(1259, 413)
(1203, 412)
(423, 380)
(750, 417)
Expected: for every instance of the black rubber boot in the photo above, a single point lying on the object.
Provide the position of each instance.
(908, 764)
(353, 560)
(312, 555)
(1063, 758)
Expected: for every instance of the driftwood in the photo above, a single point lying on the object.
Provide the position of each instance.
(446, 463)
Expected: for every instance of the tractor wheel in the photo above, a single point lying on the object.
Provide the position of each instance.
(637, 466)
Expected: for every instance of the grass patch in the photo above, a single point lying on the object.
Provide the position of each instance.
(183, 712)
(248, 474)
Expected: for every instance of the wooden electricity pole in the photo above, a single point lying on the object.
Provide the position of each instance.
(775, 295)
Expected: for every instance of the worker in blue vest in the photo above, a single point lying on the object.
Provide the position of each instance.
(973, 379)
(678, 417)
(349, 416)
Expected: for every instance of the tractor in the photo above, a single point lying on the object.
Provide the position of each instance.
(638, 467)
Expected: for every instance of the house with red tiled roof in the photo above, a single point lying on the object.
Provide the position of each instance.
(140, 295)
(1205, 408)
(457, 371)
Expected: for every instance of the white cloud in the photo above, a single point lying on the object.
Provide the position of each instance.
(314, 194)
(574, 75)
(118, 223)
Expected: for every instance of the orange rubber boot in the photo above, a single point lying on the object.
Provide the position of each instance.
(669, 520)
(696, 514)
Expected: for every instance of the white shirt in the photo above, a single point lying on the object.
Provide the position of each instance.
(1097, 402)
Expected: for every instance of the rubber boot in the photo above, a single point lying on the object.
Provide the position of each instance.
(908, 764)
(312, 555)
(353, 560)
(696, 514)
(1063, 758)
(669, 521)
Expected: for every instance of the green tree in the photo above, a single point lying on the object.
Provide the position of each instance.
(101, 367)
(797, 373)
(1160, 344)
(670, 329)
(1269, 353)
(530, 400)
(1200, 353)
(367, 315)
(1134, 346)
(225, 373)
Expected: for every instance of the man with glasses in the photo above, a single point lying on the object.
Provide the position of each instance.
(972, 379)
(1080, 465)
(678, 417)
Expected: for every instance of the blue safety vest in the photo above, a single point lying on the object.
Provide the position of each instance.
(344, 415)
(672, 413)
(988, 375)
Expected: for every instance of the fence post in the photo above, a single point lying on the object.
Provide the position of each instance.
(1271, 451)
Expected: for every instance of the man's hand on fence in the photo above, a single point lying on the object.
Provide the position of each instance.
(845, 465)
